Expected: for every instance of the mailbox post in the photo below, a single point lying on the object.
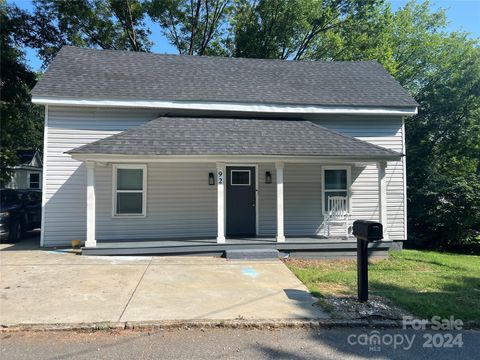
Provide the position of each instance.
(365, 231)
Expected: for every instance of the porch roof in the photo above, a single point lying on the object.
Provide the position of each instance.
(233, 136)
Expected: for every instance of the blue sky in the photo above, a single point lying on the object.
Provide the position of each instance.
(462, 14)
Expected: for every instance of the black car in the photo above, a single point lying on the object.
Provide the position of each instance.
(20, 211)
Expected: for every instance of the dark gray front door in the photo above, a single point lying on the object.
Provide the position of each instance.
(240, 200)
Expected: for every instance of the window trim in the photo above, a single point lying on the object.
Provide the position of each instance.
(349, 185)
(30, 181)
(116, 167)
(241, 170)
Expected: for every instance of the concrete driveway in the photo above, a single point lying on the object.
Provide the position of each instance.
(57, 286)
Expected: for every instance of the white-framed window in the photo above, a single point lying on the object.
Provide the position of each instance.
(335, 182)
(240, 177)
(34, 180)
(129, 190)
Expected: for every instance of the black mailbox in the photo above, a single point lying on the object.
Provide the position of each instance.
(367, 230)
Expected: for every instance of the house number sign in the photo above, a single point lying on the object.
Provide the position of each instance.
(220, 177)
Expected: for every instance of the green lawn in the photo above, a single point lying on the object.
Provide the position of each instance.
(426, 283)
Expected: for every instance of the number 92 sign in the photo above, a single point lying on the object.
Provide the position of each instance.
(220, 177)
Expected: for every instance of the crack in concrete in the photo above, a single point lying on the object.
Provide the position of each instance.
(135, 290)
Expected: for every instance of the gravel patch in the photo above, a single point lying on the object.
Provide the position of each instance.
(377, 307)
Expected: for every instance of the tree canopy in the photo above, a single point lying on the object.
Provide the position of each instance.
(440, 69)
(112, 24)
(194, 27)
(21, 122)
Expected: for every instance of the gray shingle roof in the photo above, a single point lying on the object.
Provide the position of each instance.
(122, 75)
(232, 136)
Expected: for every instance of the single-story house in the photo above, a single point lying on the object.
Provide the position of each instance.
(28, 174)
(149, 153)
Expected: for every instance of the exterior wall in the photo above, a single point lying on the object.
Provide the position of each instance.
(20, 178)
(302, 200)
(388, 133)
(303, 192)
(180, 202)
(65, 178)
(267, 201)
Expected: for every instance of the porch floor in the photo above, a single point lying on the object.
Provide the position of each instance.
(209, 246)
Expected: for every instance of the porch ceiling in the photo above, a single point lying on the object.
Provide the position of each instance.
(185, 136)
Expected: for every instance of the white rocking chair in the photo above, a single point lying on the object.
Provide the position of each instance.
(337, 213)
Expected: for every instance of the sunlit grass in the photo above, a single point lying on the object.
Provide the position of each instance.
(425, 283)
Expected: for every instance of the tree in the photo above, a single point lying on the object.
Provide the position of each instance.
(21, 121)
(296, 29)
(364, 34)
(194, 27)
(440, 70)
(443, 143)
(268, 29)
(106, 24)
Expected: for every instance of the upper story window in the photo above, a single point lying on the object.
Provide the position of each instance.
(34, 181)
(335, 183)
(129, 182)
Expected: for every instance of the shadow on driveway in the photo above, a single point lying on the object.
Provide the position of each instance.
(30, 241)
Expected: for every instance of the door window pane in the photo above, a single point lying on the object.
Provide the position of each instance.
(240, 177)
(129, 203)
(129, 179)
(335, 179)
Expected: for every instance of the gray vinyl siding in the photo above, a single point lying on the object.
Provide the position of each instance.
(386, 132)
(179, 201)
(303, 192)
(65, 190)
(21, 178)
(302, 199)
(267, 201)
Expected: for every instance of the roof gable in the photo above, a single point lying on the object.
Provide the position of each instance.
(80, 73)
(30, 157)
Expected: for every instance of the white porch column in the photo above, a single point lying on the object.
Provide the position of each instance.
(279, 166)
(91, 241)
(382, 197)
(221, 203)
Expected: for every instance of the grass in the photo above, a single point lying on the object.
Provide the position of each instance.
(426, 283)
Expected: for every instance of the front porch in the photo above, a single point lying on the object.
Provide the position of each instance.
(304, 246)
(147, 195)
(287, 214)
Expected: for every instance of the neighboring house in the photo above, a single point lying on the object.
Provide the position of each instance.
(149, 153)
(27, 175)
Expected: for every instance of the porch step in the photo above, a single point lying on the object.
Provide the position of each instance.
(252, 254)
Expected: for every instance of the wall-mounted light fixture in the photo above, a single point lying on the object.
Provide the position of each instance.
(268, 177)
(211, 179)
